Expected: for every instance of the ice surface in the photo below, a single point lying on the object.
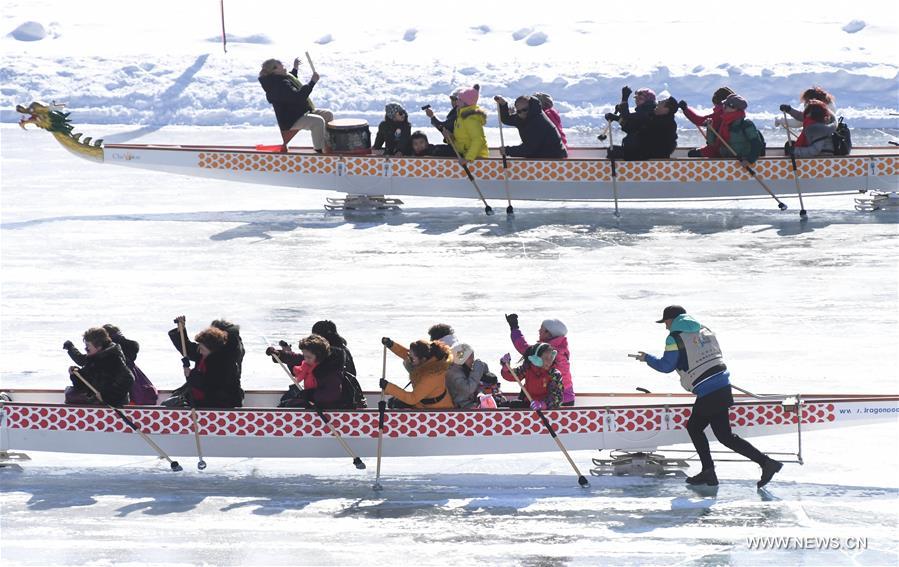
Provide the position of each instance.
(798, 307)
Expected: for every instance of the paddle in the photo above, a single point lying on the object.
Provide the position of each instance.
(185, 361)
(581, 479)
(382, 408)
(802, 212)
(780, 204)
(162, 455)
(356, 460)
(311, 66)
(201, 464)
(614, 171)
(502, 151)
(449, 138)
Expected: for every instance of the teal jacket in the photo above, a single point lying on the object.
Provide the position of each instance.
(745, 140)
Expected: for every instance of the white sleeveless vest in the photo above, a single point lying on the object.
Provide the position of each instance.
(704, 357)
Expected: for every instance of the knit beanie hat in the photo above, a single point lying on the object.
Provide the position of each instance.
(461, 352)
(392, 108)
(649, 94)
(721, 94)
(555, 327)
(736, 101)
(469, 97)
(546, 101)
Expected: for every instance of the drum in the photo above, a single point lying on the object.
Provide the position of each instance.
(349, 136)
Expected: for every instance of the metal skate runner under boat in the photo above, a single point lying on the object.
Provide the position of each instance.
(37, 420)
(585, 176)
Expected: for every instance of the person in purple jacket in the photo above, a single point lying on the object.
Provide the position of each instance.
(692, 350)
(552, 332)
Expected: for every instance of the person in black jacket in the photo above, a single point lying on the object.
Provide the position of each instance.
(214, 381)
(650, 128)
(444, 126)
(103, 366)
(539, 136)
(394, 132)
(293, 107)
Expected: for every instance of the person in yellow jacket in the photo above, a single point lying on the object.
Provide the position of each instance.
(471, 143)
(430, 361)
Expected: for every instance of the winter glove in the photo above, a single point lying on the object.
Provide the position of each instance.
(612, 117)
(387, 342)
(538, 405)
(180, 319)
(283, 344)
(270, 351)
(382, 383)
(625, 92)
(682, 105)
(68, 345)
(785, 108)
(185, 362)
(512, 320)
(505, 360)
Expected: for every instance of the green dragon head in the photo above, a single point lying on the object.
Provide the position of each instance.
(48, 117)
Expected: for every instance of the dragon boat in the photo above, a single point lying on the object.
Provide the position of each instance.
(37, 420)
(586, 175)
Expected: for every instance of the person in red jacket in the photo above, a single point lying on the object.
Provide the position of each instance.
(321, 373)
(540, 377)
(711, 148)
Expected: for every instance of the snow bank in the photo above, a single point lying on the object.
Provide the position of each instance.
(854, 26)
(29, 31)
(129, 78)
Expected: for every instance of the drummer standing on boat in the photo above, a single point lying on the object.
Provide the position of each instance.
(692, 350)
(293, 107)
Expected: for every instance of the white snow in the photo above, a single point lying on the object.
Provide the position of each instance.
(798, 307)
(854, 26)
(29, 31)
(583, 65)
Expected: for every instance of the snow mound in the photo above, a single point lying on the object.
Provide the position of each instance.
(485, 29)
(256, 38)
(410, 34)
(522, 33)
(29, 31)
(537, 38)
(325, 39)
(468, 71)
(854, 26)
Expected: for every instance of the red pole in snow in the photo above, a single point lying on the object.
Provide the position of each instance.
(224, 37)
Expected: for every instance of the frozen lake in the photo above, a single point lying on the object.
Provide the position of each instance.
(808, 308)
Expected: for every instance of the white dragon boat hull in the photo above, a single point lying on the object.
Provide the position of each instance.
(35, 420)
(585, 176)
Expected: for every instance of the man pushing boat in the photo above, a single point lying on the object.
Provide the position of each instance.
(692, 349)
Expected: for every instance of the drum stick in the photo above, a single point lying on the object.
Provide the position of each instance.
(309, 59)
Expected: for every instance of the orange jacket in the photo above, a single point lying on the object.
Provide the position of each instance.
(428, 381)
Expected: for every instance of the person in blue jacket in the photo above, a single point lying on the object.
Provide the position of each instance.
(692, 350)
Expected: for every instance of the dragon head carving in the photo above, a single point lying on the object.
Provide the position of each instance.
(49, 117)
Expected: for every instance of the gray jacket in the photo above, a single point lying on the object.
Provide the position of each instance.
(819, 139)
(464, 384)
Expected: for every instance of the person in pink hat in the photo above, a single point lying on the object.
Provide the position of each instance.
(470, 140)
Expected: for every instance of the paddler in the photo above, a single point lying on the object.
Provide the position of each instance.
(692, 350)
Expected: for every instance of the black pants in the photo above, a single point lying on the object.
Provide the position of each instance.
(713, 409)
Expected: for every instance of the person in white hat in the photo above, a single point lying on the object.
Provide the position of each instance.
(554, 333)
(463, 378)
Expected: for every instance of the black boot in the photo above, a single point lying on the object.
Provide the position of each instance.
(769, 469)
(705, 476)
